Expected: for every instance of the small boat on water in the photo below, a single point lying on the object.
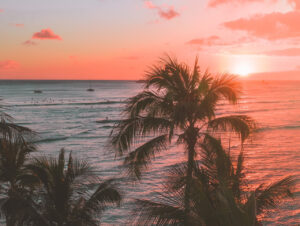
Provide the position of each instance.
(37, 91)
(90, 89)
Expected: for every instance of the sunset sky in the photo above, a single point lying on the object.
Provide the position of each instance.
(119, 39)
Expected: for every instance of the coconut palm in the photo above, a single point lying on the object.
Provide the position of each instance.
(9, 129)
(220, 194)
(70, 194)
(14, 153)
(176, 100)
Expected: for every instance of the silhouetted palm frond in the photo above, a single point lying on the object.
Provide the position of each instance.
(65, 196)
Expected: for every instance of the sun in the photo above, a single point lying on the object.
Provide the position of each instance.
(242, 68)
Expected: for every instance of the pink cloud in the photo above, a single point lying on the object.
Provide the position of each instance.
(1, 10)
(215, 3)
(277, 75)
(167, 12)
(8, 64)
(271, 26)
(217, 41)
(295, 4)
(150, 5)
(19, 25)
(284, 52)
(204, 41)
(29, 43)
(46, 34)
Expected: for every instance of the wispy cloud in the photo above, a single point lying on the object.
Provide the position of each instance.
(19, 25)
(271, 26)
(295, 4)
(8, 64)
(284, 52)
(1, 10)
(46, 34)
(29, 43)
(215, 3)
(211, 40)
(167, 12)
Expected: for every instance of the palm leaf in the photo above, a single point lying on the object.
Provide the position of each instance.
(240, 124)
(138, 159)
(268, 197)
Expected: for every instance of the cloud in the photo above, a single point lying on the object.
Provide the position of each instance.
(46, 34)
(271, 26)
(284, 52)
(278, 75)
(212, 40)
(215, 3)
(295, 4)
(217, 41)
(167, 12)
(1, 10)
(29, 43)
(8, 64)
(19, 25)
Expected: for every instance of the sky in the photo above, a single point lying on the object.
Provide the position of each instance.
(121, 39)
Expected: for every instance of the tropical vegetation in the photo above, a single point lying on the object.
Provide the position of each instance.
(178, 104)
(219, 191)
(45, 190)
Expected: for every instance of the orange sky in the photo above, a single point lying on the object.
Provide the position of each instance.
(108, 39)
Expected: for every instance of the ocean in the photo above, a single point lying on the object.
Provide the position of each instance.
(66, 116)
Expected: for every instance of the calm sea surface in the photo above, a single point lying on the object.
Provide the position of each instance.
(65, 115)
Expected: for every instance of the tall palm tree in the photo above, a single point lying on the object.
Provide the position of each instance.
(220, 194)
(70, 193)
(176, 100)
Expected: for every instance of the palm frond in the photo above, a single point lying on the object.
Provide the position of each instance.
(138, 159)
(155, 213)
(227, 87)
(240, 124)
(129, 130)
(268, 197)
(106, 193)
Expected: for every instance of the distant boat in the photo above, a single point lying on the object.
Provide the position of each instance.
(90, 89)
(37, 91)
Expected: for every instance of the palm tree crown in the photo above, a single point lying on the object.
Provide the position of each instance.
(66, 196)
(176, 100)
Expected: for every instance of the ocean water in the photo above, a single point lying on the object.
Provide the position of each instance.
(66, 116)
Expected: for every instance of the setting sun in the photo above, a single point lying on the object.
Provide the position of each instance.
(243, 68)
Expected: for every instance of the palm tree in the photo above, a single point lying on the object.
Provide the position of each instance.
(176, 100)
(9, 129)
(65, 196)
(14, 153)
(220, 194)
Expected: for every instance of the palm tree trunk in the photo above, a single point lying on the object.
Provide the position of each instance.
(191, 139)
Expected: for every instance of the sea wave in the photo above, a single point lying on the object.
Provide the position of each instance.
(107, 121)
(50, 139)
(289, 127)
(61, 104)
